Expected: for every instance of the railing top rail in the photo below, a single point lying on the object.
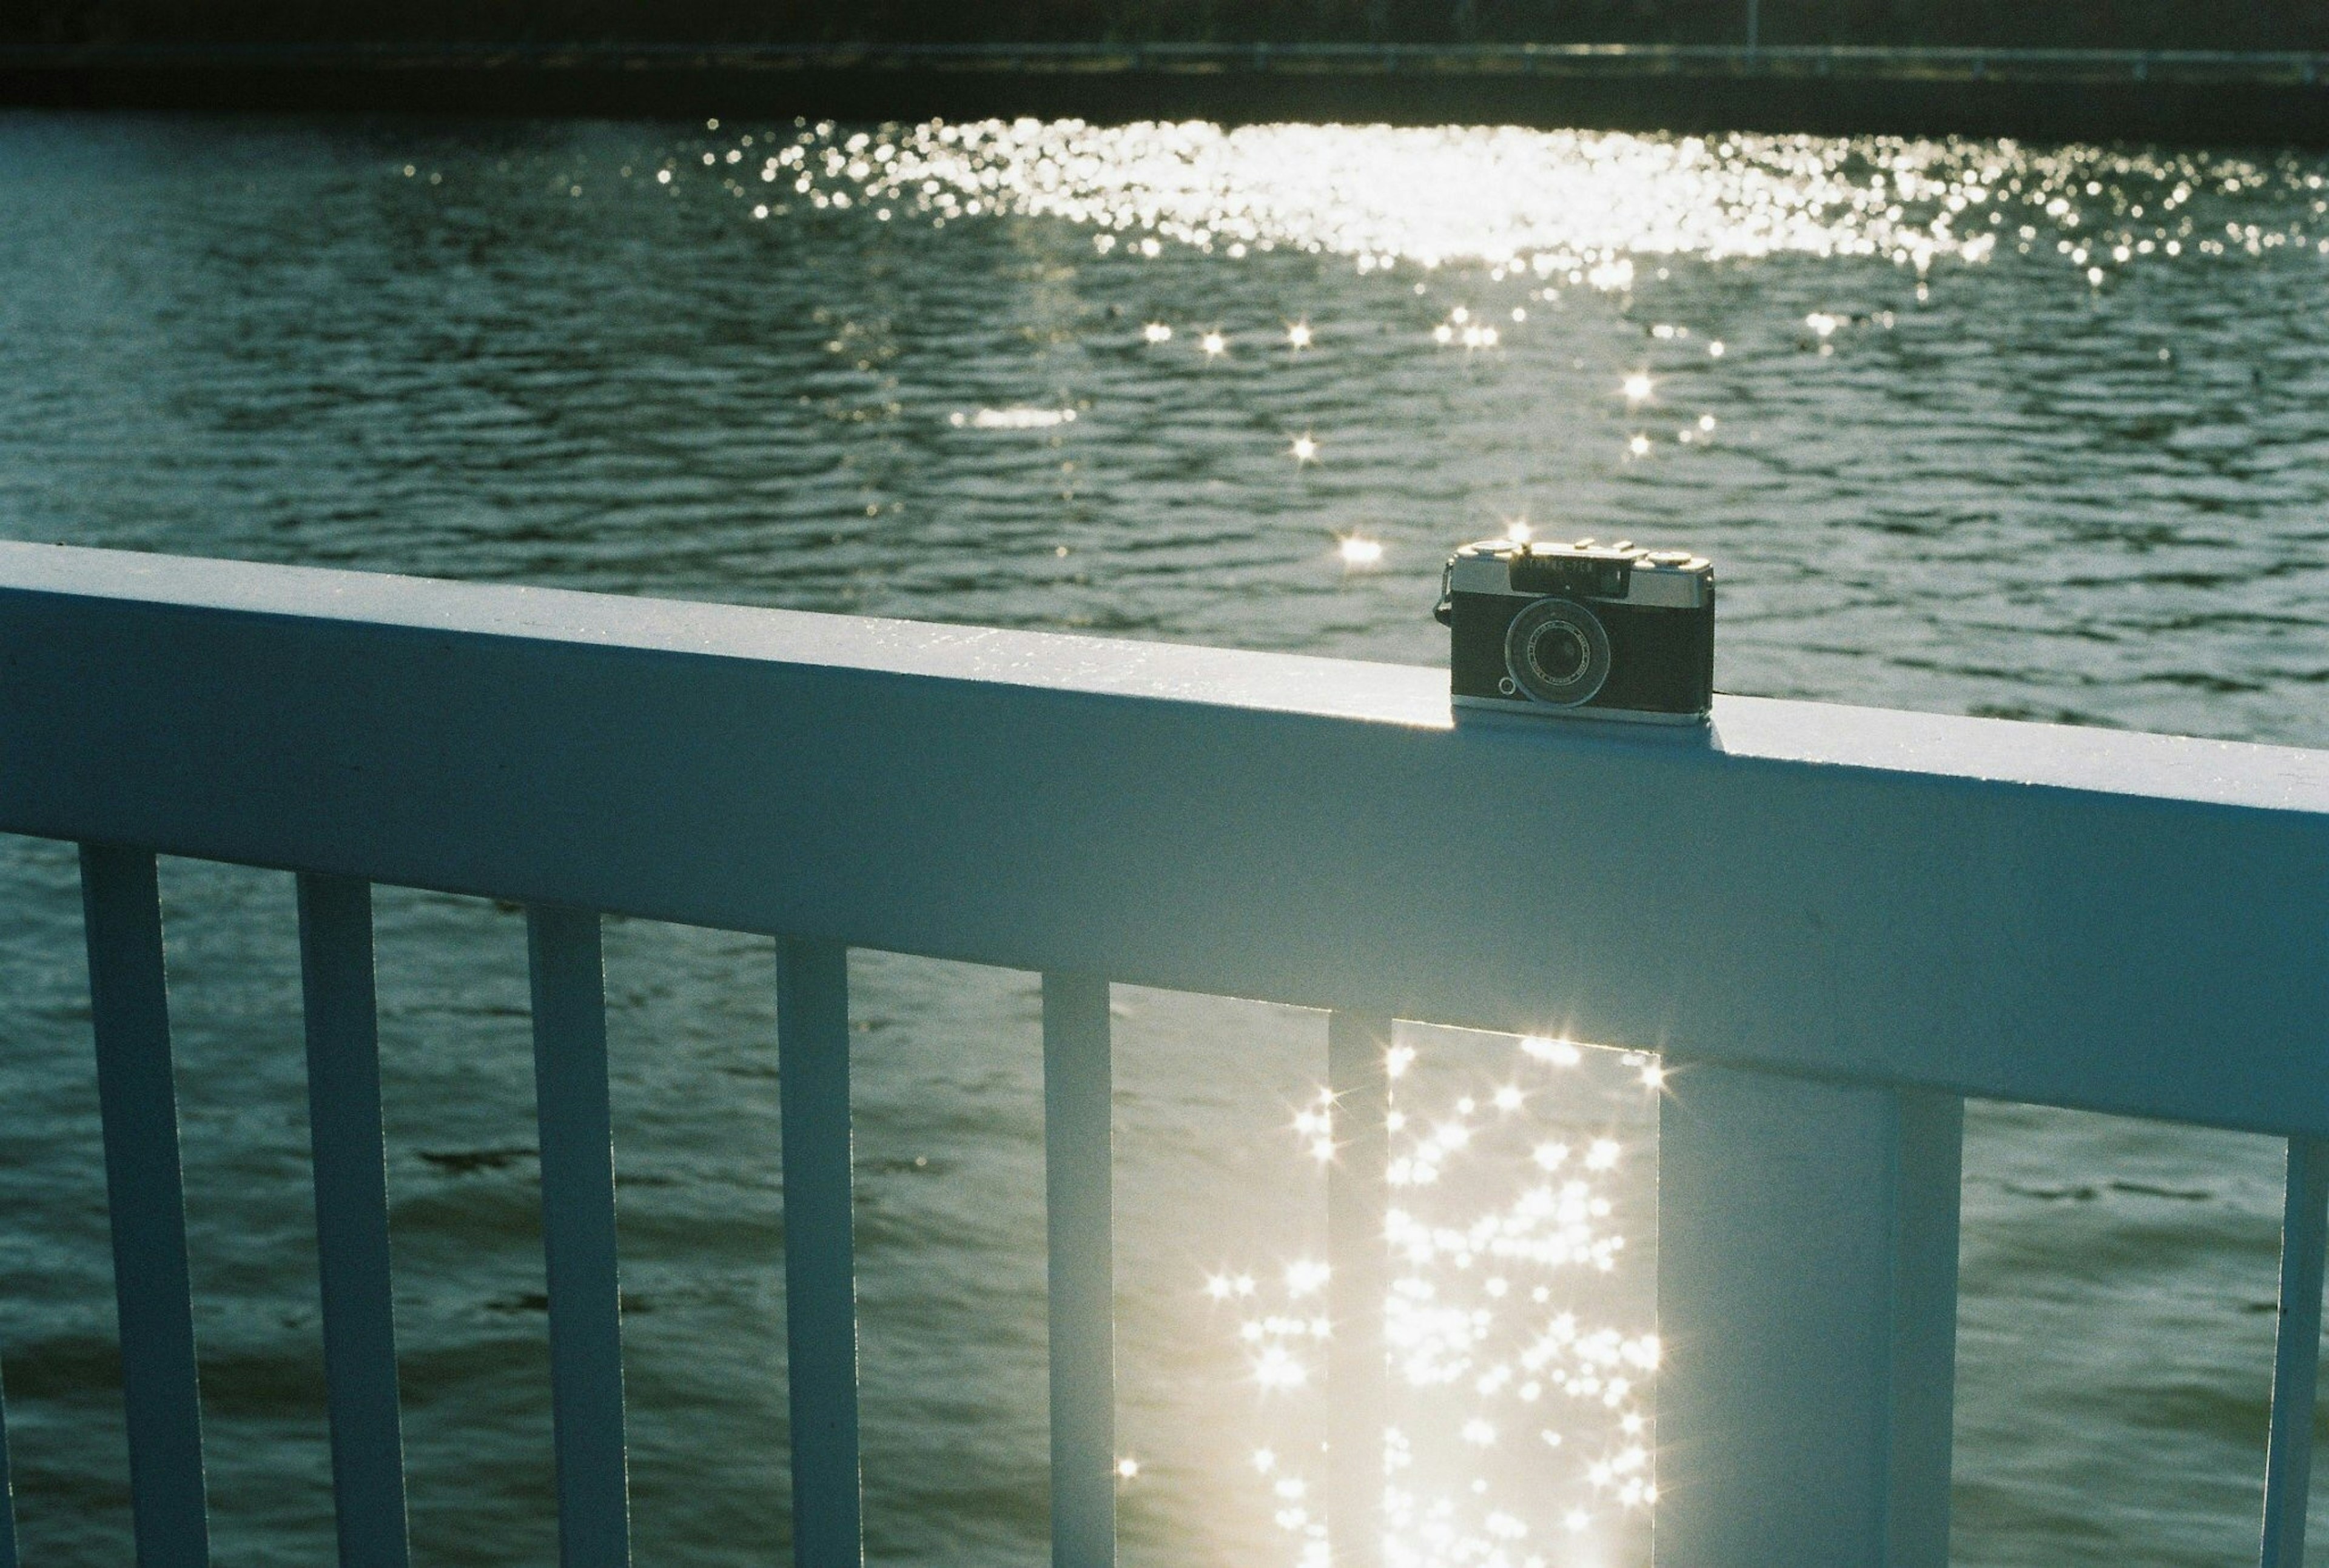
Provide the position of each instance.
(2120, 921)
(1943, 746)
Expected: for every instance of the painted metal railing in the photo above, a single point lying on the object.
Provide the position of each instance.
(1835, 922)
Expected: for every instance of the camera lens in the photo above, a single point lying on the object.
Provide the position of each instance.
(1558, 652)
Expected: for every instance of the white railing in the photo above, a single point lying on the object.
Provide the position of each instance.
(1834, 923)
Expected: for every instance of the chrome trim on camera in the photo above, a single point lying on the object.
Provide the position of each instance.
(1525, 708)
(1661, 579)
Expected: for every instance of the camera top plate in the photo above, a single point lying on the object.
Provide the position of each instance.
(1618, 573)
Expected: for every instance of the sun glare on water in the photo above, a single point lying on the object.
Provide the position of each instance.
(1521, 1353)
(1500, 227)
(1548, 200)
(1589, 208)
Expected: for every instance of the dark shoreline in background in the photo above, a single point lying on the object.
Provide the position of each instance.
(2186, 96)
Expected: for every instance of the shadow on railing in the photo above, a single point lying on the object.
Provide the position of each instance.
(1844, 920)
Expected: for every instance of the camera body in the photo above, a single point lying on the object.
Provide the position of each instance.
(1584, 630)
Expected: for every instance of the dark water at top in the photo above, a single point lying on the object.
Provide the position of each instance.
(1968, 428)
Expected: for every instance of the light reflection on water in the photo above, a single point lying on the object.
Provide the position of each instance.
(1956, 438)
(1519, 1320)
(1581, 207)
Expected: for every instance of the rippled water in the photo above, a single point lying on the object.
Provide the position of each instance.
(1967, 427)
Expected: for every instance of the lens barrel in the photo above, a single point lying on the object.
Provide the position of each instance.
(1558, 651)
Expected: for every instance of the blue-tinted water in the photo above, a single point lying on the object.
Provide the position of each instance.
(1974, 440)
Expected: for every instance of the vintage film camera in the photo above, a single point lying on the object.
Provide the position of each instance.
(1587, 630)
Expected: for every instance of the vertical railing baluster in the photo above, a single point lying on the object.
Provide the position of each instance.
(7, 1495)
(2288, 1457)
(1808, 1307)
(820, 1282)
(1358, 1075)
(1078, 1147)
(138, 1102)
(336, 968)
(1926, 1199)
(578, 1224)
